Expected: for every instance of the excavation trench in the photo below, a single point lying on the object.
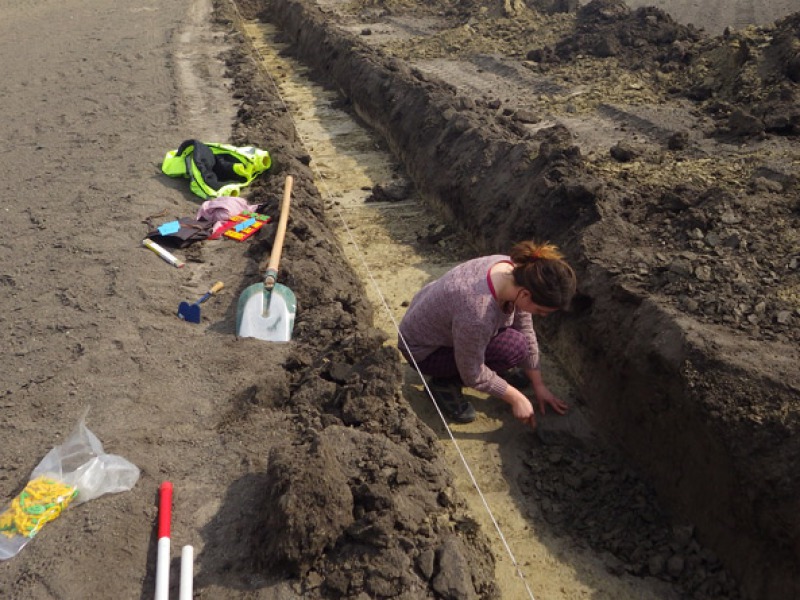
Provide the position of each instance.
(396, 243)
(670, 391)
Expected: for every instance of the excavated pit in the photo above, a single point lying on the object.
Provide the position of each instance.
(708, 413)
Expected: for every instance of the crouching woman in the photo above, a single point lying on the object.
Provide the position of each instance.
(473, 327)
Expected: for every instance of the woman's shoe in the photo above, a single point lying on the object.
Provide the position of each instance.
(451, 400)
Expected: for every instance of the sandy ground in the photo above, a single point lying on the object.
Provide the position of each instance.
(89, 321)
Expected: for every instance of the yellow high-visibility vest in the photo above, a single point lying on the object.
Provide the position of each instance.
(216, 169)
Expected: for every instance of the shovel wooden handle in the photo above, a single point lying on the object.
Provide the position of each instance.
(280, 234)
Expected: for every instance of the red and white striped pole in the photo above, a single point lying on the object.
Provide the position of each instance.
(164, 520)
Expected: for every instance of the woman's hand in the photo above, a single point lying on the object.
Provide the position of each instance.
(523, 410)
(546, 397)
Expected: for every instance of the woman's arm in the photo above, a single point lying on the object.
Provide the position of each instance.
(524, 322)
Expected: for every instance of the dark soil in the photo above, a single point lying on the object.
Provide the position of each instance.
(683, 226)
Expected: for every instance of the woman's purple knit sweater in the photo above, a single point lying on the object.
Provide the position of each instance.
(459, 311)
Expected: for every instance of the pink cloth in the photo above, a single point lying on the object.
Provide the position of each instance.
(223, 208)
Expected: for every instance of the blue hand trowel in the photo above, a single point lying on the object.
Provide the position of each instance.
(191, 312)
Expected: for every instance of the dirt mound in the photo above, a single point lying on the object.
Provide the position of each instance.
(748, 80)
(354, 501)
(607, 28)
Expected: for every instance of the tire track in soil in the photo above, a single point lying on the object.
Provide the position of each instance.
(396, 247)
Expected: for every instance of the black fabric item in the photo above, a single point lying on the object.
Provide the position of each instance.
(215, 169)
(191, 231)
(204, 160)
(223, 168)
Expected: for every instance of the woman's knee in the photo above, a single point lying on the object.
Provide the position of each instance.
(508, 349)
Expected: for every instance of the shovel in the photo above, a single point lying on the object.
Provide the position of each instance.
(191, 312)
(266, 310)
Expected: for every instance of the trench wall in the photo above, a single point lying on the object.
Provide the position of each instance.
(653, 382)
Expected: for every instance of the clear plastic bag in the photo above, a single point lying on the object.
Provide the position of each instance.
(74, 472)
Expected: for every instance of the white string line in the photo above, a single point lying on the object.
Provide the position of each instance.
(388, 310)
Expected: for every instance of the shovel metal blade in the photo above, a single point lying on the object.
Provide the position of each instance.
(266, 315)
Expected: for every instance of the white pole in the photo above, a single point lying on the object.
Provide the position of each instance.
(187, 573)
(162, 570)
